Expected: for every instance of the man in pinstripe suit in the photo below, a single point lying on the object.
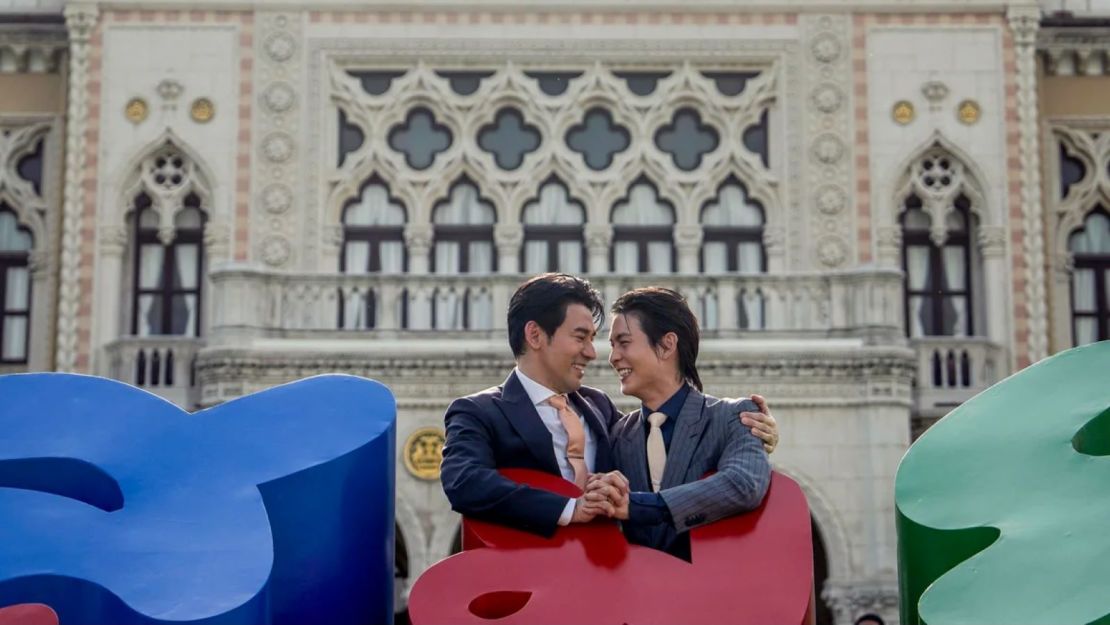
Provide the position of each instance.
(662, 450)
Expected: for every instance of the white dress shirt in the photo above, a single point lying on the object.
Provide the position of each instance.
(539, 394)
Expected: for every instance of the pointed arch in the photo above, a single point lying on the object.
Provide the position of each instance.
(139, 174)
(968, 179)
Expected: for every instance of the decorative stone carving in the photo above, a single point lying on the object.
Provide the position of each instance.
(832, 251)
(276, 250)
(826, 48)
(277, 198)
(169, 90)
(827, 98)
(935, 92)
(851, 601)
(938, 178)
(281, 46)
(599, 236)
(279, 97)
(112, 238)
(278, 147)
(831, 199)
(992, 240)
(828, 149)
(508, 236)
(688, 237)
(418, 238)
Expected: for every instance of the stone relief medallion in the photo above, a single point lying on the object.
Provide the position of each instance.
(136, 110)
(280, 47)
(276, 250)
(278, 147)
(827, 98)
(831, 251)
(902, 112)
(279, 97)
(968, 112)
(202, 110)
(826, 48)
(828, 148)
(423, 453)
(277, 199)
(831, 199)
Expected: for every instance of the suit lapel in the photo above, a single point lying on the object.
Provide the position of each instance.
(603, 459)
(634, 452)
(687, 434)
(517, 407)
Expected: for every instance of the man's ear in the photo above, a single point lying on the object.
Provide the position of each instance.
(534, 336)
(668, 345)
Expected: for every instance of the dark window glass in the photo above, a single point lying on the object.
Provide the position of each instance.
(1071, 171)
(642, 83)
(687, 139)
(756, 137)
(730, 83)
(553, 83)
(15, 288)
(598, 138)
(168, 278)
(1090, 285)
(509, 138)
(464, 83)
(938, 277)
(420, 138)
(350, 137)
(376, 83)
(30, 167)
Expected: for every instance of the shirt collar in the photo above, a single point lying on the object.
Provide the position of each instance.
(673, 406)
(537, 392)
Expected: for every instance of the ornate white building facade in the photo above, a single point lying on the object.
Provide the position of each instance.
(878, 208)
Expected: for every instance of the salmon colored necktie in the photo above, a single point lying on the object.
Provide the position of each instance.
(576, 438)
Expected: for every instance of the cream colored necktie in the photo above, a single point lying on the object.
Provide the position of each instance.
(656, 450)
(576, 438)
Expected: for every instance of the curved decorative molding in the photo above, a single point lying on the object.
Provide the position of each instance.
(938, 190)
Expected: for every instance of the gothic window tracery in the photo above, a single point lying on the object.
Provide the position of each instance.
(553, 231)
(1090, 248)
(643, 226)
(938, 275)
(15, 288)
(168, 269)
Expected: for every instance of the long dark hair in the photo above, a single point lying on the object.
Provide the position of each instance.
(661, 311)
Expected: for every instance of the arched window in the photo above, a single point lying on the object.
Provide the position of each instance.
(733, 226)
(15, 288)
(643, 225)
(553, 232)
(1090, 293)
(168, 270)
(373, 242)
(938, 270)
(464, 232)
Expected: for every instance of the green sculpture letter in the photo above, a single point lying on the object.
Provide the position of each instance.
(1003, 507)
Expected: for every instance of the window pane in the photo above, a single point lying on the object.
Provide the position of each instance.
(598, 138)
(1083, 282)
(659, 257)
(374, 208)
(554, 207)
(15, 338)
(148, 220)
(732, 208)
(185, 271)
(535, 256)
(917, 267)
(449, 311)
(1086, 330)
(464, 207)
(150, 266)
(150, 315)
(920, 317)
(420, 138)
(184, 315)
(715, 256)
(393, 256)
(955, 221)
(481, 257)
(12, 239)
(509, 138)
(687, 139)
(708, 312)
(916, 219)
(955, 268)
(750, 256)
(570, 256)
(18, 289)
(626, 257)
(446, 257)
(750, 310)
(643, 208)
(955, 316)
(357, 257)
(188, 219)
(481, 310)
(354, 312)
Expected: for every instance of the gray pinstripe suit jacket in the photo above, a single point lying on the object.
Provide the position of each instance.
(707, 437)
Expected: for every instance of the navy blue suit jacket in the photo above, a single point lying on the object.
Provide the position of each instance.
(499, 428)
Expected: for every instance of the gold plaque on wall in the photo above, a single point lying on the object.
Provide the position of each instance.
(202, 110)
(136, 110)
(968, 111)
(902, 112)
(423, 452)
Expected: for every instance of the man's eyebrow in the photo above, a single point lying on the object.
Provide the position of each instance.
(620, 335)
(584, 330)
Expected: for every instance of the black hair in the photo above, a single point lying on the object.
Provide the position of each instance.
(660, 311)
(544, 299)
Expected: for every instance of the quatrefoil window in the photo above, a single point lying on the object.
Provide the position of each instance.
(937, 172)
(420, 138)
(598, 138)
(167, 169)
(509, 138)
(687, 139)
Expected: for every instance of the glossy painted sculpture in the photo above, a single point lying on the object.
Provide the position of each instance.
(752, 568)
(119, 507)
(1003, 505)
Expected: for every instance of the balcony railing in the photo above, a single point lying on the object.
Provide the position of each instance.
(163, 365)
(951, 370)
(261, 303)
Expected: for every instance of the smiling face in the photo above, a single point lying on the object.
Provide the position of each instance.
(559, 361)
(643, 370)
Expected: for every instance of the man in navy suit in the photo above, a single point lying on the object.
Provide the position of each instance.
(541, 417)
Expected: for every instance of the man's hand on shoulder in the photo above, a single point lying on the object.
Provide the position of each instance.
(763, 425)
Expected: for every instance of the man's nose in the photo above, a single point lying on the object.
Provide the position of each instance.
(590, 353)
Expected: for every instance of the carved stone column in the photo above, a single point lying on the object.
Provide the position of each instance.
(687, 242)
(508, 238)
(80, 23)
(992, 247)
(41, 268)
(889, 246)
(112, 239)
(1024, 23)
(598, 239)
(418, 240)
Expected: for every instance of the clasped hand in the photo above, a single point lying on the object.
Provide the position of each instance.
(606, 495)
